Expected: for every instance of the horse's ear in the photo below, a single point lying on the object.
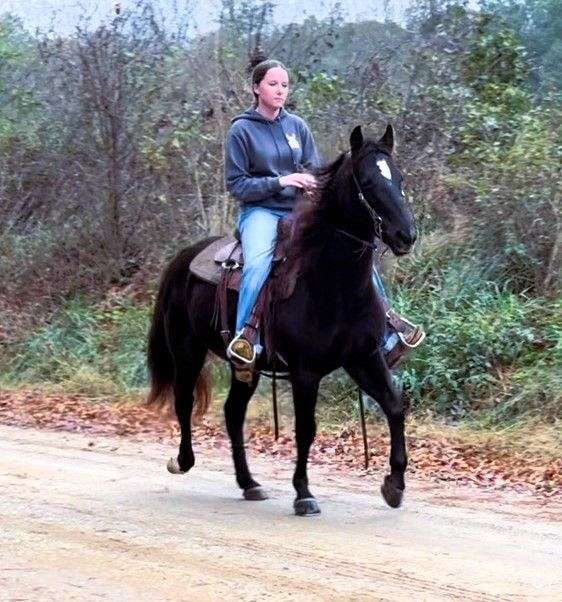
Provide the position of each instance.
(387, 140)
(356, 138)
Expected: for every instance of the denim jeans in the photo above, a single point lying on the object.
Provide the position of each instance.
(390, 336)
(258, 231)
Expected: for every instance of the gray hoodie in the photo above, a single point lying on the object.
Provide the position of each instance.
(258, 151)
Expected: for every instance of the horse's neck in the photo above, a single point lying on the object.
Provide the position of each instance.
(347, 250)
(340, 267)
(339, 257)
(345, 261)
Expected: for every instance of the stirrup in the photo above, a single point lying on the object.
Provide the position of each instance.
(241, 352)
(408, 335)
(414, 338)
(405, 344)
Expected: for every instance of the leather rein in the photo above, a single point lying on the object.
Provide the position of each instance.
(377, 223)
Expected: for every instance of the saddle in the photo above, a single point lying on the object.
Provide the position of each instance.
(221, 264)
(224, 256)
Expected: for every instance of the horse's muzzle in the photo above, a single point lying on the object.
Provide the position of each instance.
(402, 242)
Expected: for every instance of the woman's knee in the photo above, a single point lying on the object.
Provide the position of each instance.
(257, 268)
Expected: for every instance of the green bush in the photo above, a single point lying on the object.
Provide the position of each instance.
(85, 348)
(488, 350)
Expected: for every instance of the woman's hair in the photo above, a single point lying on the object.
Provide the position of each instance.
(259, 71)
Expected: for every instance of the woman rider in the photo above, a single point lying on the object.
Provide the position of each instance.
(266, 150)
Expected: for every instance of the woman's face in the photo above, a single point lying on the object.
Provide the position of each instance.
(273, 88)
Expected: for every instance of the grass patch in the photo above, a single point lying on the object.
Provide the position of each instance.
(490, 353)
(492, 357)
(86, 350)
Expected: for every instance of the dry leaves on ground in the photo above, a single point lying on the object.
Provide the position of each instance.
(432, 455)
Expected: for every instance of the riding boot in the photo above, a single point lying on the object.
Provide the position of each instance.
(242, 355)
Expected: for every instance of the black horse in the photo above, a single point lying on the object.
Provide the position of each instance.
(333, 319)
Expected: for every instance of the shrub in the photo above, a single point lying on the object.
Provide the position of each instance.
(104, 349)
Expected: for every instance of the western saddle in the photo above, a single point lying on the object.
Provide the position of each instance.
(221, 264)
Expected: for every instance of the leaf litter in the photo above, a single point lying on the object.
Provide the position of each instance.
(433, 454)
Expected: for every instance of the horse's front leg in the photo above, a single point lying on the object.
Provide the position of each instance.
(305, 393)
(373, 376)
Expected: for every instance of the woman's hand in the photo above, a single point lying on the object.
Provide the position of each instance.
(300, 180)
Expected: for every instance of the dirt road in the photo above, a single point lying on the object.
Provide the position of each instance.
(88, 519)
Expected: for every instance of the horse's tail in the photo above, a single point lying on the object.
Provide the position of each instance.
(159, 357)
(203, 392)
(160, 360)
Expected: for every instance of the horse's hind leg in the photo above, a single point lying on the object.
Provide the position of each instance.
(189, 358)
(235, 413)
(373, 376)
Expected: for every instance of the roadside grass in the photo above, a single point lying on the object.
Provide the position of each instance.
(437, 452)
(492, 360)
(492, 355)
(94, 351)
(523, 437)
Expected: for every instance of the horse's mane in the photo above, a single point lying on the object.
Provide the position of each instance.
(310, 212)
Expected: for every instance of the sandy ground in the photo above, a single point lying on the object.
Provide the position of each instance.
(85, 518)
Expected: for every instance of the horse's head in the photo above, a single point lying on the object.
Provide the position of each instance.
(380, 183)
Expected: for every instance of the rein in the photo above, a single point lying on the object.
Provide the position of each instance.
(366, 244)
(377, 223)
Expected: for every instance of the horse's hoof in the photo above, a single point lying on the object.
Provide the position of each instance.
(255, 494)
(392, 495)
(173, 466)
(306, 507)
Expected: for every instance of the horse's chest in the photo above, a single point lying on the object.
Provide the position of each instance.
(328, 330)
(328, 346)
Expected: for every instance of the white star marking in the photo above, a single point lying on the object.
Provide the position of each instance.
(384, 169)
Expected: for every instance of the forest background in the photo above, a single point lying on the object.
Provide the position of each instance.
(111, 159)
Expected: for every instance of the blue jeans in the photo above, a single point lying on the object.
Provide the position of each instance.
(258, 231)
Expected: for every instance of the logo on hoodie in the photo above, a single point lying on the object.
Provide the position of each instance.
(292, 140)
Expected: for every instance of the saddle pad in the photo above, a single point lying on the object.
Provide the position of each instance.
(205, 267)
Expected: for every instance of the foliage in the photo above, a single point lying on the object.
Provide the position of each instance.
(537, 24)
(85, 349)
(18, 102)
(489, 351)
(111, 157)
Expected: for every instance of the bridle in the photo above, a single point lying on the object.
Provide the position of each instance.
(375, 217)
